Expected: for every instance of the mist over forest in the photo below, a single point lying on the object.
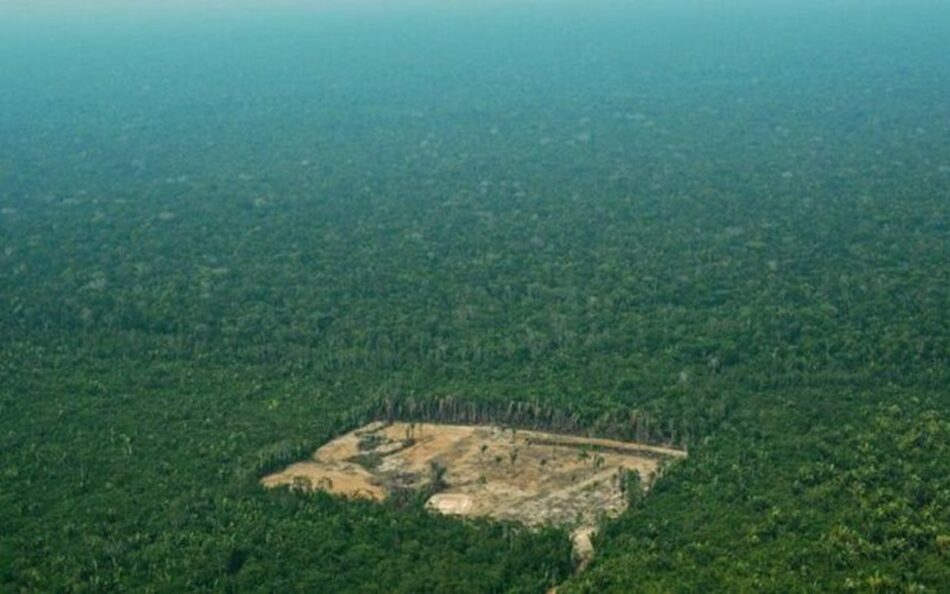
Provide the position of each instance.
(232, 233)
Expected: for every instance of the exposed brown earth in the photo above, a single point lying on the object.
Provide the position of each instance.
(531, 477)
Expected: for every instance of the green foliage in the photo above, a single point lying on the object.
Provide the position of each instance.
(203, 279)
(846, 497)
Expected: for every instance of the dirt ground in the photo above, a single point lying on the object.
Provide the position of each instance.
(531, 477)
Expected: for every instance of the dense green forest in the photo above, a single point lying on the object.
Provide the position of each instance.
(208, 269)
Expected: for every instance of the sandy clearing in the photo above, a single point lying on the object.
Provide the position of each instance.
(527, 476)
(342, 448)
(349, 481)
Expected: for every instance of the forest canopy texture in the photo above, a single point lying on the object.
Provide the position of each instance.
(203, 279)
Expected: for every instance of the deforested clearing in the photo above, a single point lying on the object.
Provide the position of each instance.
(527, 476)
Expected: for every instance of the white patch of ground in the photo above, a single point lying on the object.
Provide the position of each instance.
(450, 503)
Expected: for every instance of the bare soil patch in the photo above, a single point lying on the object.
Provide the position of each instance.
(531, 477)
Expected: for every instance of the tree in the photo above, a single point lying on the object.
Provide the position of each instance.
(437, 475)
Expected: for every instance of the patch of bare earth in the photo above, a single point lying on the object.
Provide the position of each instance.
(531, 477)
